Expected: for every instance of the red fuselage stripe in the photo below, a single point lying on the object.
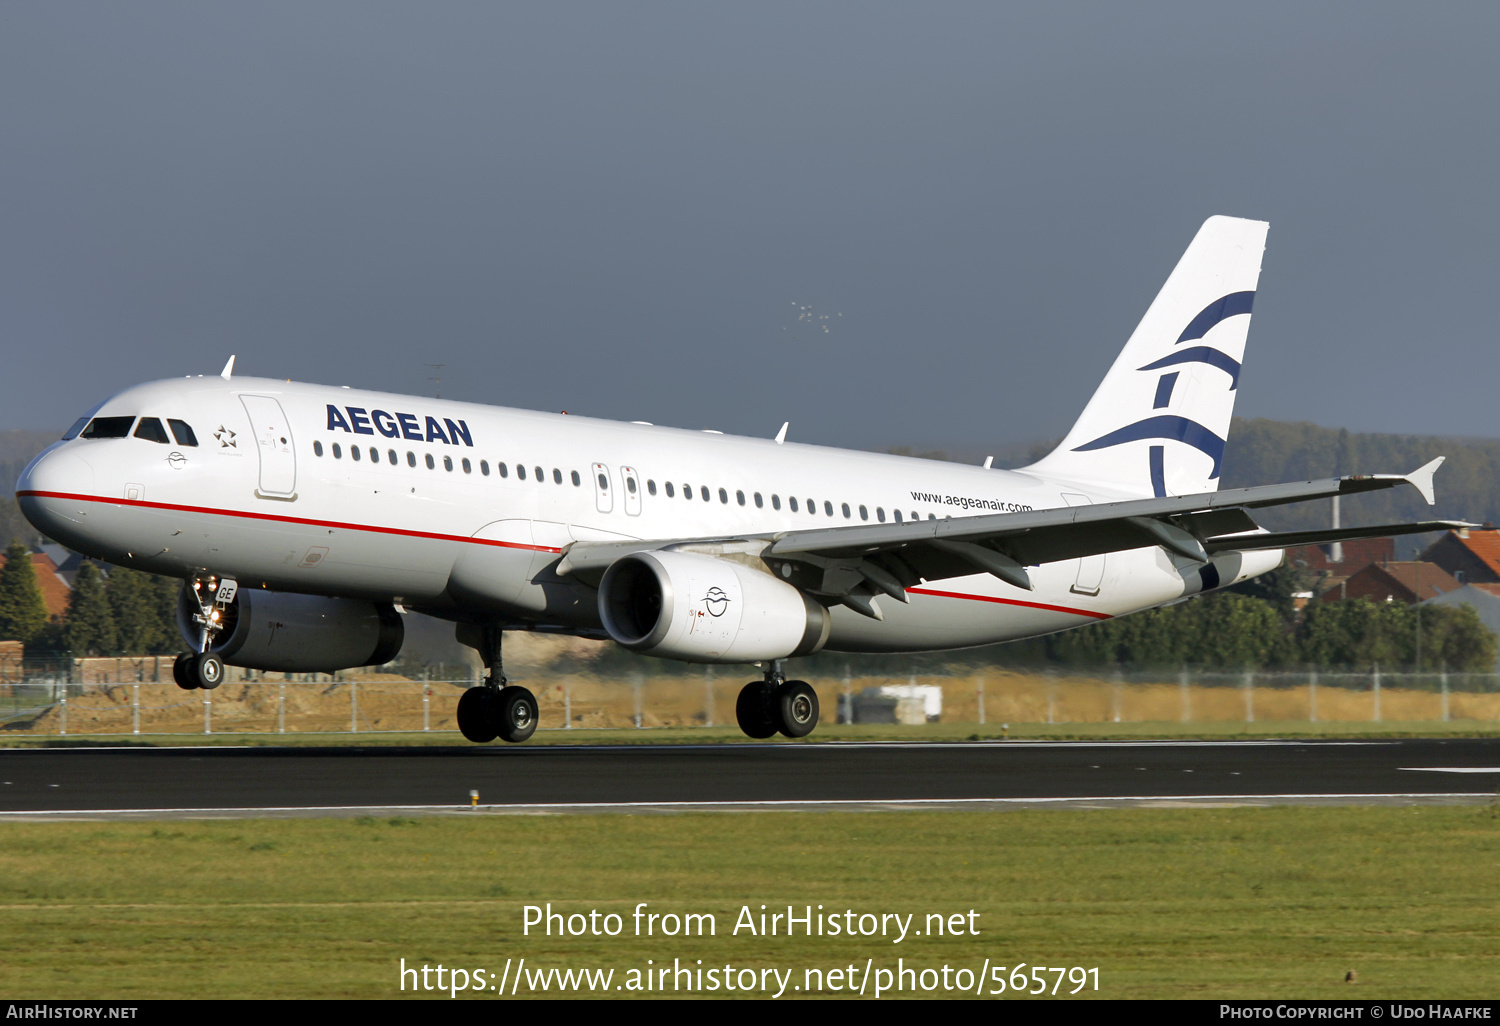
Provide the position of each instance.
(1008, 602)
(246, 515)
(306, 522)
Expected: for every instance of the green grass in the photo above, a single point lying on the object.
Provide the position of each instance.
(1221, 903)
(1138, 730)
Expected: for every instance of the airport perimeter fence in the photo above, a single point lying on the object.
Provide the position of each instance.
(134, 701)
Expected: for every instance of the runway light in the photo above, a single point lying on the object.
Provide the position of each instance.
(473, 799)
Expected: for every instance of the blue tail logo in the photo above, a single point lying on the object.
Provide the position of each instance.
(1180, 429)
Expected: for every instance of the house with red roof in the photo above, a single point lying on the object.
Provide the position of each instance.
(1470, 556)
(50, 583)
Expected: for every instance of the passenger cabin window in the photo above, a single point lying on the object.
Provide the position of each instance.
(448, 463)
(317, 448)
(776, 501)
(578, 481)
(812, 507)
(390, 454)
(739, 497)
(759, 502)
(521, 471)
(828, 508)
(468, 469)
(703, 491)
(108, 427)
(374, 455)
(430, 464)
(603, 483)
(845, 507)
(354, 452)
(650, 487)
(183, 432)
(630, 484)
(880, 513)
(503, 469)
(671, 493)
(898, 515)
(484, 467)
(557, 475)
(411, 458)
(864, 514)
(792, 502)
(338, 453)
(540, 474)
(723, 496)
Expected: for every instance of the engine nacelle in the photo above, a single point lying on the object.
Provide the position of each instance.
(685, 605)
(277, 630)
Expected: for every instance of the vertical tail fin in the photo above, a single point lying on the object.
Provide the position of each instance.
(1157, 423)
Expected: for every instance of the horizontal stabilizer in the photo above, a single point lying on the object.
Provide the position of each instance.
(1294, 539)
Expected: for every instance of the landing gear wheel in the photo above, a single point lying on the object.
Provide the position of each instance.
(514, 714)
(796, 708)
(474, 719)
(754, 709)
(181, 673)
(205, 670)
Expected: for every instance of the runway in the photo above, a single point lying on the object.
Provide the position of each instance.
(201, 781)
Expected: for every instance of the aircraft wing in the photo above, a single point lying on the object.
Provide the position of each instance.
(851, 564)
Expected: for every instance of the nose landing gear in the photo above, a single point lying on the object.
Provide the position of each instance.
(198, 670)
(776, 704)
(203, 669)
(496, 708)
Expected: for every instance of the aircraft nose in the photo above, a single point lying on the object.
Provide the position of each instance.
(48, 492)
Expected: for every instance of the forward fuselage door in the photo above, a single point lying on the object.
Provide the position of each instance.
(632, 491)
(273, 441)
(603, 501)
(1090, 568)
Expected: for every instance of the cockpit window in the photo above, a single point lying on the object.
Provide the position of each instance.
(73, 431)
(183, 432)
(150, 429)
(108, 427)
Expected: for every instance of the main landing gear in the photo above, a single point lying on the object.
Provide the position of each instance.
(777, 704)
(203, 669)
(495, 708)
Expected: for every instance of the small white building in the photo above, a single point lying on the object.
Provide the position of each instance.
(907, 704)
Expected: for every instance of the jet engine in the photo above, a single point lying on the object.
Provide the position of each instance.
(707, 609)
(277, 630)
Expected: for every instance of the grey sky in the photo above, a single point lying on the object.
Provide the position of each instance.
(620, 209)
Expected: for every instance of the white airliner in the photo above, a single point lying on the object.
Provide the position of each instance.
(306, 519)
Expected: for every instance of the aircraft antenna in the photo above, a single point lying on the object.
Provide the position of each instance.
(437, 391)
(228, 371)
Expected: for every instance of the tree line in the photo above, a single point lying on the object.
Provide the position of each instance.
(1253, 626)
(127, 613)
(1229, 631)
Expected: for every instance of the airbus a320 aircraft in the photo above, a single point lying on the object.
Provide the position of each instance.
(305, 519)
